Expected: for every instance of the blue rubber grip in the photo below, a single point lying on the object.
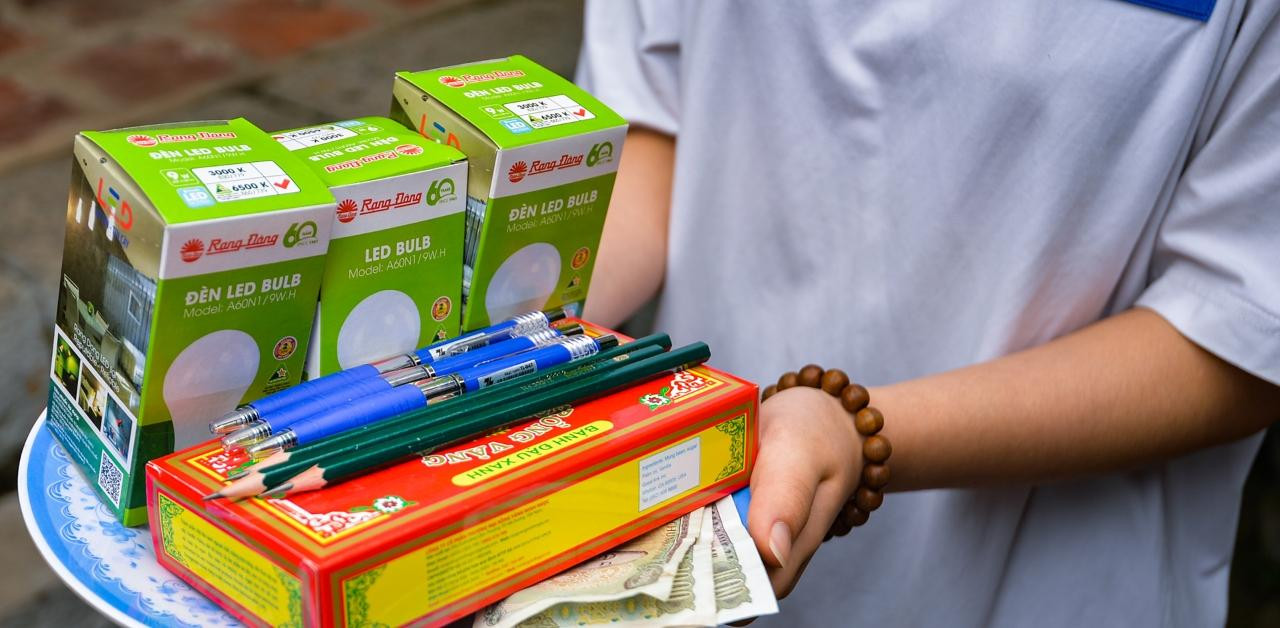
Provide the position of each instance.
(503, 369)
(358, 413)
(476, 357)
(317, 404)
(428, 354)
(321, 385)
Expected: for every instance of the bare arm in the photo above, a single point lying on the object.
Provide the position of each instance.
(633, 248)
(1125, 391)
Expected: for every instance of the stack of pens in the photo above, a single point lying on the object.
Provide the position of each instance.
(356, 421)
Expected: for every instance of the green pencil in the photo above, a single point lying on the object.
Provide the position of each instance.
(251, 482)
(338, 465)
(476, 400)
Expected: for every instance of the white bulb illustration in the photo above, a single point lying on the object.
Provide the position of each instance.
(523, 282)
(208, 379)
(381, 325)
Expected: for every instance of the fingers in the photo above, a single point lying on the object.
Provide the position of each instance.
(784, 581)
(804, 471)
(826, 505)
(782, 484)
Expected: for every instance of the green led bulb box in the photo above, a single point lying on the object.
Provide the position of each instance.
(192, 261)
(393, 275)
(543, 156)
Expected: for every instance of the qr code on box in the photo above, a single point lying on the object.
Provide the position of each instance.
(110, 479)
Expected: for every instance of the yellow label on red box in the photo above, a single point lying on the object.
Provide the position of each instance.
(253, 581)
(530, 454)
(600, 507)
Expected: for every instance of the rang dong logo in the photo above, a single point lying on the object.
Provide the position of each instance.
(521, 169)
(192, 250)
(346, 210)
(144, 141)
(517, 171)
(409, 149)
(462, 80)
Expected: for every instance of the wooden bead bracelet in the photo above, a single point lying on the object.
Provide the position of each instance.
(867, 421)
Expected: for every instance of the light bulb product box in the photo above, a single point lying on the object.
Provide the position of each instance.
(543, 157)
(190, 269)
(393, 274)
(441, 535)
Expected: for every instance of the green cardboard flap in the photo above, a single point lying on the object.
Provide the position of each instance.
(514, 101)
(365, 149)
(208, 170)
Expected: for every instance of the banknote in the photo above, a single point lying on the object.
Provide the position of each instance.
(716, 578)
(692, 601)
(644, 566)
(742, 586)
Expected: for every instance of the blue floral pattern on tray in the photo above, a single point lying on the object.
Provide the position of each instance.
(113, 567)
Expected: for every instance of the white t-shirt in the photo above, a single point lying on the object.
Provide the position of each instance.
(901, 187)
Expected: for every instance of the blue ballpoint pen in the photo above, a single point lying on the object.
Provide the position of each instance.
(368, 410)
(518, 325)
(315, 405)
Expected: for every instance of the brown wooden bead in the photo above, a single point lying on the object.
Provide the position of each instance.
(854, 398)
(876, 449)
(875, 476)
(867, 500)
(853, 515)
(833, 382)
(868, 421)
(846, 514)
(768, 391)
(841, 525)
(810, 376)
(788, 380)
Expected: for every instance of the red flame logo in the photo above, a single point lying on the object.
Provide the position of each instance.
(452, 81)
(517, 171)
(346, 210)
(145, 141)
(192, 250)
(409, 149)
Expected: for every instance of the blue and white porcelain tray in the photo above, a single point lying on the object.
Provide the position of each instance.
(112, 567)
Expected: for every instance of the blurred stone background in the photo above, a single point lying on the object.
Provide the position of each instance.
(67, 65)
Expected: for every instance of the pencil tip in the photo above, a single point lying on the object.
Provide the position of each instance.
(236, 475)
(214, 495)
(278, 491)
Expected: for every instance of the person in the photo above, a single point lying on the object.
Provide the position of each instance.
(1044, 235)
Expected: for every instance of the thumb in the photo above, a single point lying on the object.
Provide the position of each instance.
(783, 485)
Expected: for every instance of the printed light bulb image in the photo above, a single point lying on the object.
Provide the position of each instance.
(383, 324)
(208, 379)
(525, 281)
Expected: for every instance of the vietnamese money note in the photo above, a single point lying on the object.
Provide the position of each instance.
(717, 578)
(741, 584)
(691, 603)
(645, 565)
